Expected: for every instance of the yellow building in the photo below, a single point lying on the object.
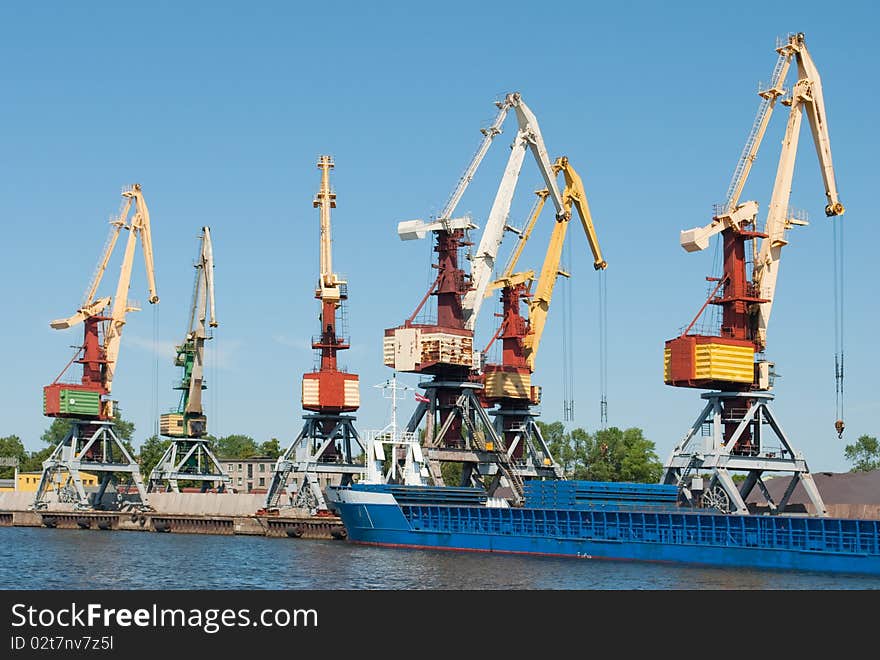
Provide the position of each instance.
(27, 482)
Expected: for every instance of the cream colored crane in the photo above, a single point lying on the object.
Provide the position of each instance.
(806, 96)
(91, 446)
(138, 228)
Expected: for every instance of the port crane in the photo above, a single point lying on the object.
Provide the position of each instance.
(457, 428)
(731, 361)
(508, 384)
(328, 442)
(189, 456)
(91, 444)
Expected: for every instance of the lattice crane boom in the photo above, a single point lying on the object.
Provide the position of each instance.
(139, 228)
(483, 264)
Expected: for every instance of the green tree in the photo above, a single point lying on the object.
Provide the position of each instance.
(60, 427)
(57, 431)
(150, 453)
(864, 454)
(608, 455)
(34, 462)
(559, 443)
(11, 447)
(451, 473)
(271, 448)
(237, 446)
(621, 455)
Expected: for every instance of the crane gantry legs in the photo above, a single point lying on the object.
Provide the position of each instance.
(90, 447)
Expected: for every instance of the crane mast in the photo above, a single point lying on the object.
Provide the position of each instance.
(731, 360)
(91, 443)
(325, 447)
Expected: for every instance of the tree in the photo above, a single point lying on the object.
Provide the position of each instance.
(11, 447)
(150, 453)
(608, 455)
(237, 446)
(271, 448)
(620, 455)
(57, 431)
(34, 462)
(864, 454)
(558, 441)
(60, 427)
(451, 473)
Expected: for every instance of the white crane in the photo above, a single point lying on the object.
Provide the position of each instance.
(483, 263)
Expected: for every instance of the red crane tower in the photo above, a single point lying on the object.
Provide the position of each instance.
(325, 445)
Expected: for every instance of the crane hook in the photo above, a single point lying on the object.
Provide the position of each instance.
(839, 426)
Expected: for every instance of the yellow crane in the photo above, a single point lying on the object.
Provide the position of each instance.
(509, 384)
(573, 196)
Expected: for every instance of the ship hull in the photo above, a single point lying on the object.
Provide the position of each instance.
(765, 542)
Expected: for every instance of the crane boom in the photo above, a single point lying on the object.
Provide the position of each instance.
(116, 226)
(769, 97)
(202, 312)
(482, 266)
(523, 239)
(806, 95)
(575, 196)
(488, 135)
(326, 200)
(139, 228)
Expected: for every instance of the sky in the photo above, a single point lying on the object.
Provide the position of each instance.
(220, 111)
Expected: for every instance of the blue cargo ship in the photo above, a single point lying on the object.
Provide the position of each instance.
(602, 520)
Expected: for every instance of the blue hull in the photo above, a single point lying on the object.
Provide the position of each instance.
(767, 542)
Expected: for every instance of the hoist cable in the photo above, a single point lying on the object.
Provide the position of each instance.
(603, 349)
(838, 263)
(154, 395)
(571, 351)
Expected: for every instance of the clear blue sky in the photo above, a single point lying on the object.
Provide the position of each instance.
(220, 110)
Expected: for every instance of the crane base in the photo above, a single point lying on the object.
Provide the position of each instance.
(730, 436)
(187, 459)
(323, 448)
(91, 447)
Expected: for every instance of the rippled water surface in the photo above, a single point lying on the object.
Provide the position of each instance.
(39, 558)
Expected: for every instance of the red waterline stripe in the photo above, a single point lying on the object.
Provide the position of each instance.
(523, 552)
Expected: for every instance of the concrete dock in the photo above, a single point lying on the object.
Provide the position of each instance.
(179, 513)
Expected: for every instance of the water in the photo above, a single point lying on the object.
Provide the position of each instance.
(40, 558)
